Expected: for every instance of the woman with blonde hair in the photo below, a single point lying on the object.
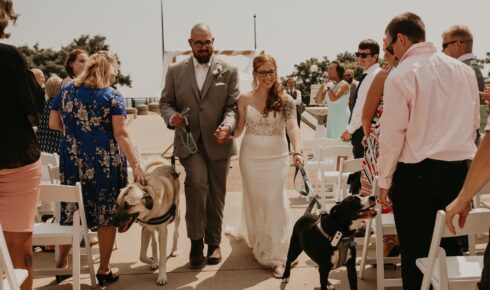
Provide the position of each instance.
(49, 140)
(20, 167)
(93, 151)
(265, 113)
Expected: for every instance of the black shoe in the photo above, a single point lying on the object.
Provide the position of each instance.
(196, 256)
(214, 255)
(107, 278)
(61, 278)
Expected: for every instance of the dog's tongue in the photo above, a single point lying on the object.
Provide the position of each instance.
(126, 225)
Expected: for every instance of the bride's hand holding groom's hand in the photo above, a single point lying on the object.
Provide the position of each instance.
(222, 133)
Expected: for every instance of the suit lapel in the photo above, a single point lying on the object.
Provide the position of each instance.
(192, 78)
(209, 78)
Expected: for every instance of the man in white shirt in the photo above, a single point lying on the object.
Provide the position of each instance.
(367, 57)
(457, 42)
(430, 116)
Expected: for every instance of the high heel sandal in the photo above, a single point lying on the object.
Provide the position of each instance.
(106, 278)
(61, 278)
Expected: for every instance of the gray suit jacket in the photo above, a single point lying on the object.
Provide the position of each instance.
(479, 77)
(213, 106)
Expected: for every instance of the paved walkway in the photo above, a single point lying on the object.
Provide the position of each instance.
(238, 270)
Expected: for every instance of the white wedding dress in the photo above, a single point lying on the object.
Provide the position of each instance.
(264, 164)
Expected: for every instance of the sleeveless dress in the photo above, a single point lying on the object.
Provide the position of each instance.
(264, 164)
(370, 162)
(338, 113)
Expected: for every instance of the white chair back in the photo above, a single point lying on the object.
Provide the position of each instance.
(477, 221)
(56, 234)
(54, 174)
(316, 145)
(46, 160)
(346, 167)
(13, 277)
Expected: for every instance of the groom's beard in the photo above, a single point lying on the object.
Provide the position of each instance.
(203, 56)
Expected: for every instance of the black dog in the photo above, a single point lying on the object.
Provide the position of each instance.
(328, 239)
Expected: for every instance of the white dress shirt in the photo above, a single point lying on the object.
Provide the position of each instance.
(431, 110)
(356, 121)
(201, 71)
(466, 56)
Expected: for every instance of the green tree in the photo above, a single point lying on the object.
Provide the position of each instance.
(52, 61)
(305, 75)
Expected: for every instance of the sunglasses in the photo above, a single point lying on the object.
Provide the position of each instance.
(389, 48)
(363, 54)
(445, 45)
(266, 73)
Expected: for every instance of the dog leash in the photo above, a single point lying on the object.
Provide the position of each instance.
(185, 133)
(308, 188)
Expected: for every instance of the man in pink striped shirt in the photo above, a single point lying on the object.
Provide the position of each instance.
(431, 113)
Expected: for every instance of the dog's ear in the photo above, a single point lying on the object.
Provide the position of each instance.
(148, 201)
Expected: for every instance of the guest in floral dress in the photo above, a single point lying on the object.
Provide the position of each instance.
(49, 140)
(95, 142)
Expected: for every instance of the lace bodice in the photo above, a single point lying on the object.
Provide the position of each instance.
(271, 125)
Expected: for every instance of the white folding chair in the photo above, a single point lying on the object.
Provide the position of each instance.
(11, 278)
(46, 160)
(477, 199)
(326, 176)
(382, 224)
(345, 169)
(56, 234)
(460, 272)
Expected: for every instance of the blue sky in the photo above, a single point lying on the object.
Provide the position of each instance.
(291, 31)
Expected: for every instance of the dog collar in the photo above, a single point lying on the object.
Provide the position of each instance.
(170, 214)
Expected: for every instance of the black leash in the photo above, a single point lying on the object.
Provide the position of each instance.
(308, 192)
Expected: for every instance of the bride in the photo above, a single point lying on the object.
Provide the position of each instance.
(264, 113)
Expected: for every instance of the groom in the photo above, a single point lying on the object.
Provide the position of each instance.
(209, 88)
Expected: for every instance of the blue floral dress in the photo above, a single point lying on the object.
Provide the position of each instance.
(88, 150)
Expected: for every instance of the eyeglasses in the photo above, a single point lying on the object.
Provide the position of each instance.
(445, 45)
(200, 44)
(266, 73)
(389, 47)
(363, 54)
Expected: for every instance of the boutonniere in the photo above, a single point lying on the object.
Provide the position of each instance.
(218, 72)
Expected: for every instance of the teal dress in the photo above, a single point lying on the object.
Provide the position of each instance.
(338, 113)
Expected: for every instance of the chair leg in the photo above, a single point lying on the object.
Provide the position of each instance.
(367, 236)
(380, 269)
(76, 254)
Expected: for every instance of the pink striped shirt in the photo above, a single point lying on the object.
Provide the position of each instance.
(431, 110)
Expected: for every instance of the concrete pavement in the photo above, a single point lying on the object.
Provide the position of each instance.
(238, 270)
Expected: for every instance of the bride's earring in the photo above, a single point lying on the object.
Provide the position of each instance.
(255, 83)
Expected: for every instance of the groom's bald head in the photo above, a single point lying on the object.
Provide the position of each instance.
(200, 28)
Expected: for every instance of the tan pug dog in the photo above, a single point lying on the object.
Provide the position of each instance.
(155, 206)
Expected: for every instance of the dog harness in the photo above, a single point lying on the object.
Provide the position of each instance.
(341, 243)
(170, 214)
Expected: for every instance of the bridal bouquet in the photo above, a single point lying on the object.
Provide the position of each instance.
(329, 85)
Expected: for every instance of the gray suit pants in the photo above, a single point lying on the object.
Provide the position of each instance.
(205, 190)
